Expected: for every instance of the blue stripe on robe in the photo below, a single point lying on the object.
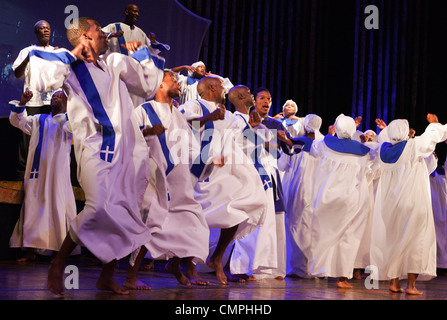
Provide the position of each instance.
(345, 145)
(36, 160)
(17, 108)
(252, 136)
(153, 117)
(143, 54)
(199, 163)
(94, 99)
(62, 56)
(307, 143)
(121, 40)
(390, 153)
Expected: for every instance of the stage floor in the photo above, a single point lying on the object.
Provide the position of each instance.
(27, 281)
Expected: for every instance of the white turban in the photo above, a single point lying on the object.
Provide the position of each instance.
(195, 65)
(345, 127)
(398, 130)
(312, 123)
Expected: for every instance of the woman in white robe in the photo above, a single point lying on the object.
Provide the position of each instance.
(298, 185)
(403, 241)
(341, 202)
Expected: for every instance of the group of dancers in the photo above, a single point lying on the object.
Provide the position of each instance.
(169, 173)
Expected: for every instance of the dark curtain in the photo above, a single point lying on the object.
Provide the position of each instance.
(319, 54)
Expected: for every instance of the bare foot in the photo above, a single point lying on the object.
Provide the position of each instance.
(246, 277)
(148, 266)
(220, 273)
(174, 268)
(279, 278)
(135, 285)
(109, 284)
(195, 279)
(343, 284)
(29, 256)
(357, 274)
(413, 291)
(396, 289)
(55, 281)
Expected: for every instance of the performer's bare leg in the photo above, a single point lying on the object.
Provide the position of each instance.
(57, 266)
(132, 281)
(395, 286)
(192, 275)
(215, 261)
(107, 282)
(411, 288)
(173, 266)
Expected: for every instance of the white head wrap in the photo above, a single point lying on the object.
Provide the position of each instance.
(312, 123)
(398, 130)
(292, 103)
(345, 127)
(195, 65)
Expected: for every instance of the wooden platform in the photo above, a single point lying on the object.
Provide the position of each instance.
(11, 192)
(27, 281)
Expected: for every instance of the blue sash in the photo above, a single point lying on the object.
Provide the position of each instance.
(36, 160)
(153, 117)
(390, 153)
(345, 145)
(199, 163)
(259, 143)
(121, 40)
(94, 99)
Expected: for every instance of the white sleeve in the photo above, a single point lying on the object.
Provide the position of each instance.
(426, 143)
(20, 119)
(48, 70)
(142, 72)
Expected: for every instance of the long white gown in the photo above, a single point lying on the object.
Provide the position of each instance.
(341, 203)
(183, 232)
(438, 187)
(49, 203)
(403, 232)
(112, 155)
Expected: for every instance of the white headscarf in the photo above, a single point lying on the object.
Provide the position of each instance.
(312, 123)
(345, 127)
(398, 130)
(195, 65)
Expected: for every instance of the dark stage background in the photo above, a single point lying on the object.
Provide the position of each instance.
(316, 52)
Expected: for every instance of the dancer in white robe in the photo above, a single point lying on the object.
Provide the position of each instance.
(232, 197)
(256, 253)
(298, 185)
(293, 123)
(438, 187)
(341, 202)
(112, 155)
(49, 203)
(184, 231)
(403, 241)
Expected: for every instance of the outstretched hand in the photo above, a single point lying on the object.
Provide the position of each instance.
(26, 96)
(83, 52)
(132, 46)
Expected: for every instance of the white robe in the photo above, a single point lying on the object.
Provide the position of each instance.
(112, 155)
(403, 232)
(298, 186)
(184, 231)
(438, 187)
(341, 203)
(49, 204)
(232, 195)
(39, 98)
(257, 253)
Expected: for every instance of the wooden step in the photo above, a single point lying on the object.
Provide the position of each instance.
(11, 192)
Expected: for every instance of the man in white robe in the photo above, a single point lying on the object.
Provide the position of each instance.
(121, 33)
(403, 237)
(40, 101)
(232, 197)
(183, 232)
(49, 203)
(341, 203)
(112, 155)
